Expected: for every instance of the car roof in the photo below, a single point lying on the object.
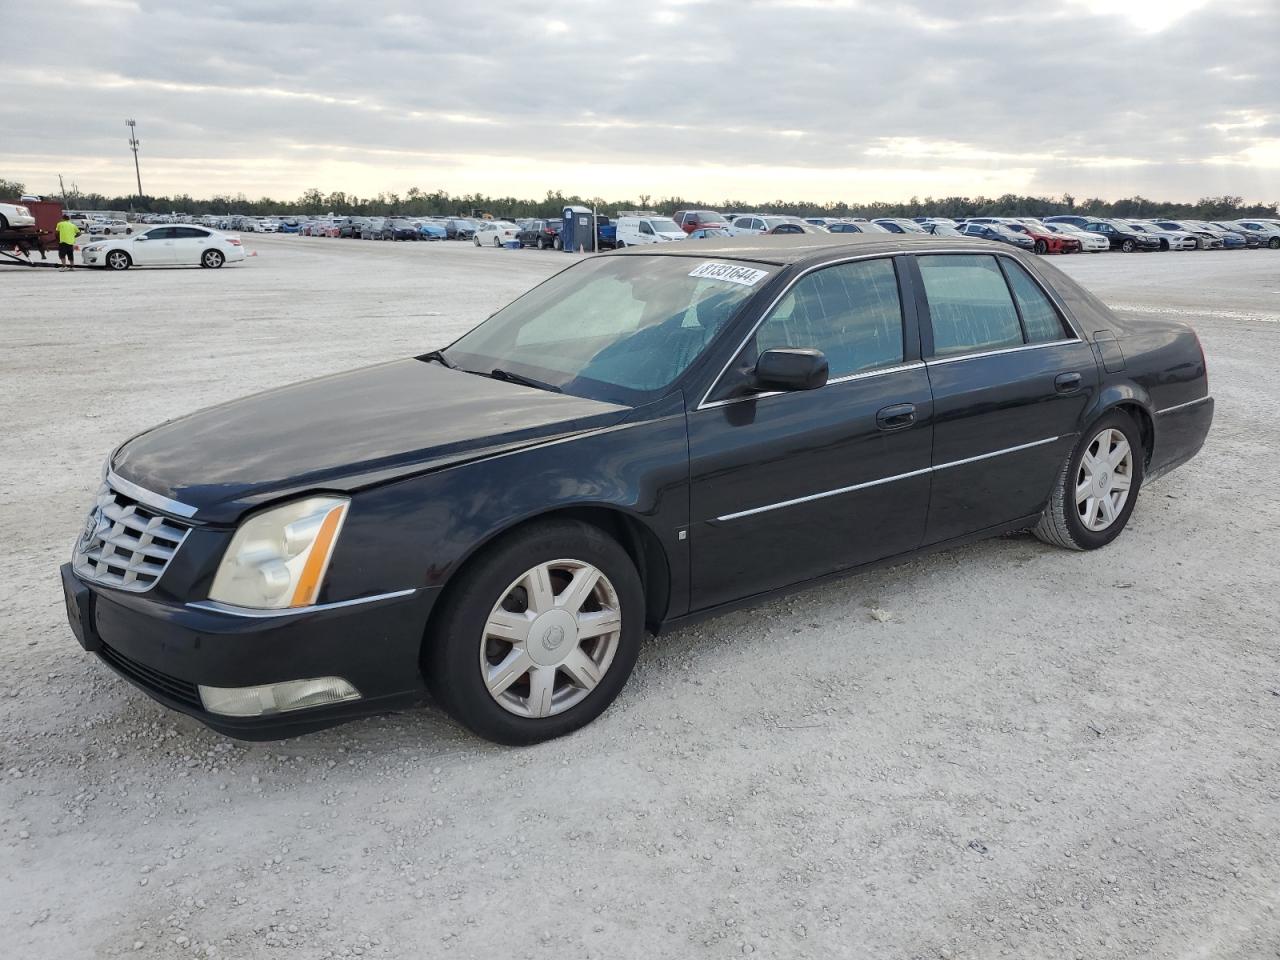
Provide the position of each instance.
(787, 249)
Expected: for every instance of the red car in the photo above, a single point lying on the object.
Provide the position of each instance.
(691, 220)
(1046, 241)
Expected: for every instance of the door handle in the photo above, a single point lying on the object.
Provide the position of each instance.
(1067, 382)
(896, 417)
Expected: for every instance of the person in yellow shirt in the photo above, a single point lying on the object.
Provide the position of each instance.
(67, 233)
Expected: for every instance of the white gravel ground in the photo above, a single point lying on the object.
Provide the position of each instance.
(1038, 754)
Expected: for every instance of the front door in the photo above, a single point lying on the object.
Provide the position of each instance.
(1011, 379)
(785, 487)
(156, 249)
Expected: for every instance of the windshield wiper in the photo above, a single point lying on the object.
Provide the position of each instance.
(499, 374)
(439, 357)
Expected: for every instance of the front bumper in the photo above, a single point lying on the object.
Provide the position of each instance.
(169, 650)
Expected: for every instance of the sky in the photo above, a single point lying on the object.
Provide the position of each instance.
(823, 100)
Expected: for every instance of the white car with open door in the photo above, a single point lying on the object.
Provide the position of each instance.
(186, 246)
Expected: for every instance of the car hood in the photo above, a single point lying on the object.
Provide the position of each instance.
(344, 432)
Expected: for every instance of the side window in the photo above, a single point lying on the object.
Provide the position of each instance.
(850, 311)
(969, 304)
(1040, 318)
(645, 228)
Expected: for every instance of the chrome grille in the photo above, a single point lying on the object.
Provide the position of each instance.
(125, 544)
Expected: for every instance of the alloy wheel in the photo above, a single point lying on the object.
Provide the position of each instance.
(118, 260)
(550, 638)
(1104, 480)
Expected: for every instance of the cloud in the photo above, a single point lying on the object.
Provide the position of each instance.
(822, 99)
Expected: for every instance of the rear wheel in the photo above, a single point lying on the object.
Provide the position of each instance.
(119, 260)
(212, 259)
(539, 634)
(1096, 488)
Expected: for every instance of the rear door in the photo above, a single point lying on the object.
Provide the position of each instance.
(1011, 379)
(189, 244)
(785, 487)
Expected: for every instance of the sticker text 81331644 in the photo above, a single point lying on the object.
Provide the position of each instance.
(729, 273)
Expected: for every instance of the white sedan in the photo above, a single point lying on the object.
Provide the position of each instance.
(165, 247)
(494, 233)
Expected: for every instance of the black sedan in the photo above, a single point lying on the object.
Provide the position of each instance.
(1123, 236)
(641, 440)
(999, 233)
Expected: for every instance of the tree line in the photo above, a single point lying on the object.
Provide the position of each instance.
(416, 202)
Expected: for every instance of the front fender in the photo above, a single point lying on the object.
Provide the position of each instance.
(419, 531)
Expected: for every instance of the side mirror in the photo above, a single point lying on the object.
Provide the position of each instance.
(139, 238)
(791, 368)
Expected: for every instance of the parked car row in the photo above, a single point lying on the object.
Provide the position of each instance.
(1061, 234)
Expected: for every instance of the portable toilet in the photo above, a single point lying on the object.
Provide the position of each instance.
(576, 230)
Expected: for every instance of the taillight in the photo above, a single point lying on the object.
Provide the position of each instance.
(233, 241)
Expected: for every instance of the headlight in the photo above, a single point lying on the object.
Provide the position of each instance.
(278, 558)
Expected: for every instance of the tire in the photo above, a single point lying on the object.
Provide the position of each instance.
(1127, 246)
(476, 241)
(557, 244)
(1042, 247)
(461, 657)
(622, 245)
(1164, 246)
(497, 241)
(1274, 243)
(119, 260)
(1062, 523)
(4, 222)
(212, 259)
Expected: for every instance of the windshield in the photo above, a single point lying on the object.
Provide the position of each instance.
(664, 225)
(615, 328)
(707, 216)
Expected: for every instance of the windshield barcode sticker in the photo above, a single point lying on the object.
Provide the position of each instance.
(728, 272)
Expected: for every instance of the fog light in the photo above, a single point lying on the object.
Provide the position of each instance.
(276, 697)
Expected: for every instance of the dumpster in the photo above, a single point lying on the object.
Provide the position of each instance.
(577, 231)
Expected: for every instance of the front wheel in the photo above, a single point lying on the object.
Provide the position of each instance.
(1274, 243)
(557, 244)
(1127, 246)
(119, 260)
(212, 259)
(539, 634)
(1042, 247)
(497, 241)
(476, 241)
(1096, 488)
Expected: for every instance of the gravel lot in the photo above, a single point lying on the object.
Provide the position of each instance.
(1039, 754)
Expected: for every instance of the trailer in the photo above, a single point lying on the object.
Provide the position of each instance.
(18, 244)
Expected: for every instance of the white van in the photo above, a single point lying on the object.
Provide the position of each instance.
(634, 231)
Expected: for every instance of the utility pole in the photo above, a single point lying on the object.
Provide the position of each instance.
(133, 145)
